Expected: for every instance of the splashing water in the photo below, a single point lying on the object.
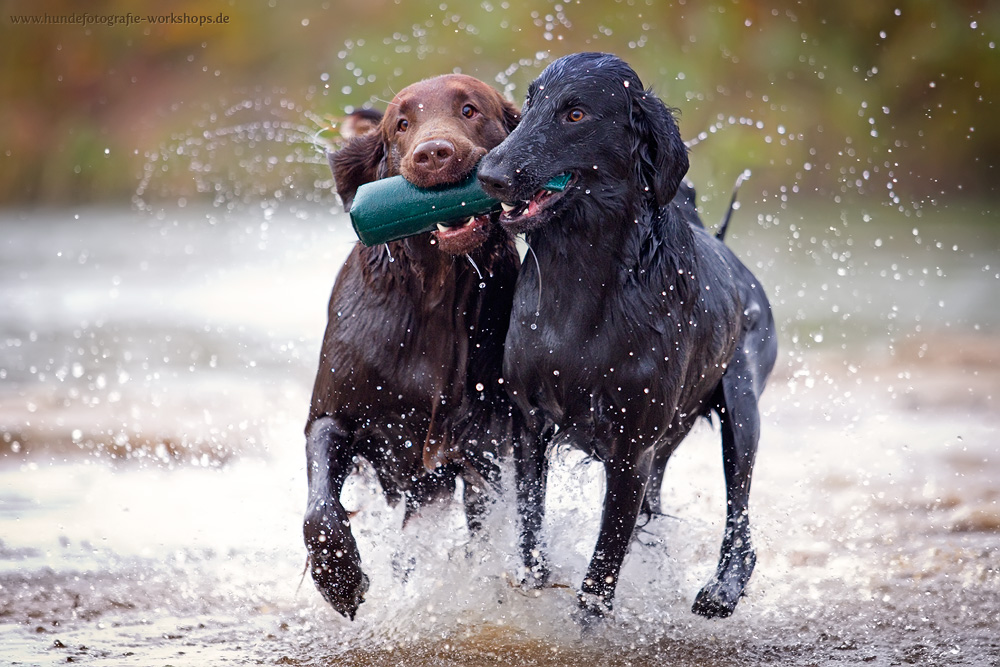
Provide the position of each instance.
(252, 153)
(475, 266)
(874, 508)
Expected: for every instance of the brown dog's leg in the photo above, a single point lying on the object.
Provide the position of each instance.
(334, 561)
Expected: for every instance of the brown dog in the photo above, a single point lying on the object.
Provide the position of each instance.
(409, 375)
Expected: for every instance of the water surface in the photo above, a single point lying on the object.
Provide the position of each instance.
(154, 376)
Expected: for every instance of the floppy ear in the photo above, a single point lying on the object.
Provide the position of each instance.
(662, 158)
(361, 161)
(360, 121)
(511, 116)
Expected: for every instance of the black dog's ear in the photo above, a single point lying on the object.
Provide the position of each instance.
(662, 158)
(361, 161)
(511, 116)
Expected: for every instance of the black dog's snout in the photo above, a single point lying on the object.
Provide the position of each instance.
(493, 180)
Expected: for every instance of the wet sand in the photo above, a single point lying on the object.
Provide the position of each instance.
(152, 476)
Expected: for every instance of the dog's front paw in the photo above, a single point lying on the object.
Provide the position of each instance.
(334, 563)
(592, 607)
(536, 574)
(342, 587)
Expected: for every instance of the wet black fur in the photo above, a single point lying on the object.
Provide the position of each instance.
(644, 323)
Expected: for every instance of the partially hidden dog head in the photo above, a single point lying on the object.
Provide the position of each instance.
(589, 116)
(433, 133)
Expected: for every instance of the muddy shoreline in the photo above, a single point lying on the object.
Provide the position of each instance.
(893, 561)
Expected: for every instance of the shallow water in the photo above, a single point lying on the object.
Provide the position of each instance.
(154, 375)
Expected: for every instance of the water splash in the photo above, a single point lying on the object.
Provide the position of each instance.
(259, 151)
(475, 266)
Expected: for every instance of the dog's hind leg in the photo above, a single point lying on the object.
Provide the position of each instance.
(334, 561)
(740, 426)
(475, 499)
(651, 501)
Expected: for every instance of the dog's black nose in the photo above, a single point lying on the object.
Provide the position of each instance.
(493, 180)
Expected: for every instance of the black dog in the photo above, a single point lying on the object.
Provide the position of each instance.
(409, 375)
(646, 321)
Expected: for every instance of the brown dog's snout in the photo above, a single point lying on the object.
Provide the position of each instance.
(434, 154)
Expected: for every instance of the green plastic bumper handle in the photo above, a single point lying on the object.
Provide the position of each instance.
(393, 208)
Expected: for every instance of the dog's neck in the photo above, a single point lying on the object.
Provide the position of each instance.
(615, 248)
(417, 261)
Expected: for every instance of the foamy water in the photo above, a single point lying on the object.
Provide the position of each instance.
(154, 377)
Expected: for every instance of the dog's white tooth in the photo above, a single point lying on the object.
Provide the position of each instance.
(507, 208)
(471, 220)
(442, 228)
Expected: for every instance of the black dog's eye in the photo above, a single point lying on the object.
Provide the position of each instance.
(402, 124)
(470, 111)
(575, 115)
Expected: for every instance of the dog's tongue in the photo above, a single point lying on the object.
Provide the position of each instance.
(535, 202)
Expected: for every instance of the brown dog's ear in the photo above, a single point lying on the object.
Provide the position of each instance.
(360, 121)
(361, 161)
(511, 116)
(662, 155)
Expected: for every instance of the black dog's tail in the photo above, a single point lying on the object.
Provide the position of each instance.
(732, 205)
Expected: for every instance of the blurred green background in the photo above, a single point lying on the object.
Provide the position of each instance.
(895, 101)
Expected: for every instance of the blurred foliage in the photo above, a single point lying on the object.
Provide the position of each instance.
(844, 99)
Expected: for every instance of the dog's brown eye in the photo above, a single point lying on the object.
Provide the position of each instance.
(575, 115)
(402, 124)
(469, 111)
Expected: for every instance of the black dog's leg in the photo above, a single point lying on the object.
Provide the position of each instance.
(626, 486)
(334, 561)
(531, 469)
(740, 432)
(651, 501)
(474, 498)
